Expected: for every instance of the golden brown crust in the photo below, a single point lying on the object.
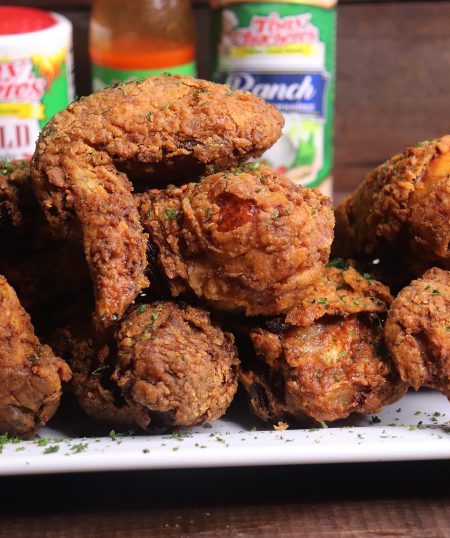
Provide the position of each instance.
(243, 240)
(166, 367)
(66, 168)
(30, 374)
(340, 291)
(400, 206)
(174, 363)
(137, 125)
(323, 372)
(417, 331)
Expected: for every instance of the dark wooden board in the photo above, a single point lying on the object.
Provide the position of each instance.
(407, 500)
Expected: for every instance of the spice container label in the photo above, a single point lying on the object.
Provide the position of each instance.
(284, 52)
(35, 84)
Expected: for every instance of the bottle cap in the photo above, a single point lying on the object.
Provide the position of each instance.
(23, 20)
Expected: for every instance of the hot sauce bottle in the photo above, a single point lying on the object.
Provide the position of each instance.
(136, 39)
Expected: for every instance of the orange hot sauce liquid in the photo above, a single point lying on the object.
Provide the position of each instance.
(141, 52)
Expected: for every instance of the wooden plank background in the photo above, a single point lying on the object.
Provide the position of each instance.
(393, 74)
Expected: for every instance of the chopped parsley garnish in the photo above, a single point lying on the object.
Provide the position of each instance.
(207, 425)
(324, 424)
(100, 369)
(435, 292)
(319, 375)
(172, 213)
(254, 166)
(339, 263)
(276, 214)
(323, 300)
(80, 447)
(51, 449)
(147, 116)
(375, 420)
(142, 309)
(114, 435)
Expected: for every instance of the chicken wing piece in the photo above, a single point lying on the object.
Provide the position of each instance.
(417, 331)
(168, 366)
(242, 240)
(30, 374)
(402, 209)
(150, 128)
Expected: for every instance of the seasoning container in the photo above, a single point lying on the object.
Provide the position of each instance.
(35, 75)
(284, 52)
(136, 39)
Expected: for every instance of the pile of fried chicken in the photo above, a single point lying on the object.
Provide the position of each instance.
(143, 246)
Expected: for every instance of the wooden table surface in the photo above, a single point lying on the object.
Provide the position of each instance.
(329, 501)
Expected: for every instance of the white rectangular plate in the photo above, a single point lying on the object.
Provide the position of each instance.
(416, 428)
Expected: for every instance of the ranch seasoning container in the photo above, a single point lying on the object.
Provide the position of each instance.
(284, 52)
(35, 75)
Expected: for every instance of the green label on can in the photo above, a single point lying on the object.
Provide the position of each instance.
(103, 77)
(284, 52)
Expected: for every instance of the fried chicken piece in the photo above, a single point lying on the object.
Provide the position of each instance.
(417, 332)
(242, 240)
(150, 128)
(341, 290)
(18, 206)
(174, 363)
(401, 209)
(323, 372)
(333, 362)
(41, 269)
(173, 368)
(30, 374)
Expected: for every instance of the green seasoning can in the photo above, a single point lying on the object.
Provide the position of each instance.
(284, 52)
(35, 75)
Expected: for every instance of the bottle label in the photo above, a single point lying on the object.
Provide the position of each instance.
(103, 77)
(284, 53)
(32, 90)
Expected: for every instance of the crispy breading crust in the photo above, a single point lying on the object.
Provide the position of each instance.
(137, 125)
(167, 366)
(340, 292)
(417, 331)
(30, 374)
(399, 209)
(70, 176)
(174, 363)
(242, 240)
(323, 372)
